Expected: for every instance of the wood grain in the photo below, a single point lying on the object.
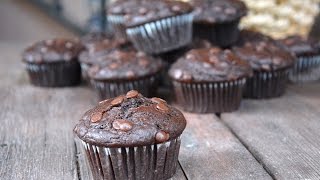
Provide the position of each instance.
(210, 151)
(282, 133)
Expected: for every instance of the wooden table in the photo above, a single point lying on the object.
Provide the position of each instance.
(265, 139)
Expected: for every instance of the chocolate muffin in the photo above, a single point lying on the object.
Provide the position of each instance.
(121, 71)
(132, 137)
(209, 80)
(218, 20)
(154, 26)
(53, 63)
(252, 37)
(307, 66)
(96, 50)
(271, 64)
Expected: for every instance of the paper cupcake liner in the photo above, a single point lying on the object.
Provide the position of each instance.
(117, 25)
(84, 70)
(306, 69)
(216, 97)
(107, 89)
(54, 74)
(156, 162)
(162, 35)
(264, 85)
(223, 35)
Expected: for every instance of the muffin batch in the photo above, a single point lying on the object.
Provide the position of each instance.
(195, 50)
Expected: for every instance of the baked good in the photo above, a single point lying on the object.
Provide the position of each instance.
(218, 20)
(155, 26)
(307, 66)
(132, 137)
(209, 80)
(271, 64)
(121, 71)
(54, 62)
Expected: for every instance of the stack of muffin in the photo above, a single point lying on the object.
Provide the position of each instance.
(211, 66)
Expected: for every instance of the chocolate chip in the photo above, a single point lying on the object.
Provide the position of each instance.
(113, 66)
(176, 8)
(67, 56)
(43, 49)
(141, 54)
(96, 117)
(49, 42)
(230, 11)
(187, 76)
(276, 60)
(162, 107)
(214, 50)
(217, 8)
(158, 100)
(69, 45)
(265, 66)
(130, 74)
(132, 94)
(118, 100)
(101, 102)
(162, 136)
(213, 59)
(190, 56)
(177, 74)
(143, 62)
(122, 124)
(143, 10)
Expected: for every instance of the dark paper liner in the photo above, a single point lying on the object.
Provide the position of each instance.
(156, 162)
(215, 97)
(223, 35)
(109, 89)
(306, 69)
(264, 85)
(84, 70)
(162, 35)
(117, 25)
(54, 74)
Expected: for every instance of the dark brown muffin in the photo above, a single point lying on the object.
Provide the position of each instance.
(209, 80)
(93, 37)
(53, 63)
(121, 71)
(218, 20)
(271, 64)
(132, 137)
(307, 66)
(154, 26)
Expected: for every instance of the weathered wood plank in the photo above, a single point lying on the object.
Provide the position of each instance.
(36, 132)
(210, 151)
(282, 133)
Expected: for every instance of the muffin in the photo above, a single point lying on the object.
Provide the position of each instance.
(53, 63)
(218, 20)
(251, 36)
(307, 66)
(121, 71)
(209, 80)
(93, 53)
(132, 137)
(155, 26)
(271, 64)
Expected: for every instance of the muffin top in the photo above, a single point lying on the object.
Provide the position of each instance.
(101, 48)
(125, 65)
(137, 12)
(130, 120)
(265, 56)
(301, 46)
(93, 37)
(53, 50)
(218, 11)
(209, 65)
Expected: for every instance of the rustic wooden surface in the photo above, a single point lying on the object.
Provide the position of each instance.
(283, 134)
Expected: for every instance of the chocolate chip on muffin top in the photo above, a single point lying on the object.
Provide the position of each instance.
(301, 46)
(137, 12)
(130, 120)
(216, 11)
(265, 56)
(53, 50)
(209, 65)
(125, 65)
(93, 37)
(252, 37)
